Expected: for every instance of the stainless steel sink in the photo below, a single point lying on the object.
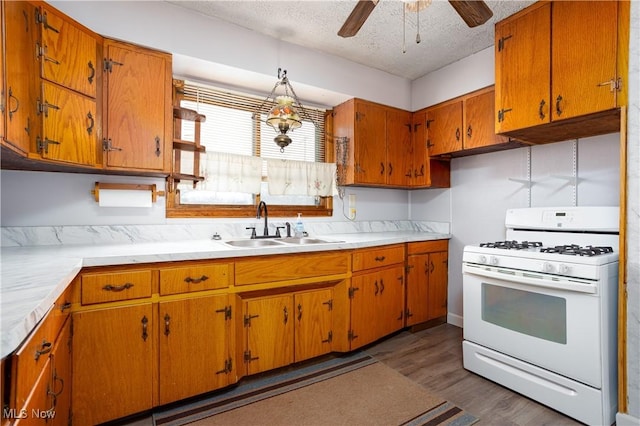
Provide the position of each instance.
(306, 240)
(253, 243)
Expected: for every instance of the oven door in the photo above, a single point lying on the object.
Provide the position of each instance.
(535, 318)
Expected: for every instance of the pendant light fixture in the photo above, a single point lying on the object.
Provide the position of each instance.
(283, 115)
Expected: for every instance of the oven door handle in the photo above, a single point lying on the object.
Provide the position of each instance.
(518, 277)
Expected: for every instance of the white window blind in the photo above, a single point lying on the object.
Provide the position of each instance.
(232, 126)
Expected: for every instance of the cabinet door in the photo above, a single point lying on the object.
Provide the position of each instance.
(69, 126)
(60, 384)
(21, 71)
(389, 292)
(444, 128)
(269, 333)
(49, 402)
(113, 363)
(68, 53)
(398, 148)
(438, 288)
(313, 326)
(479, 129)
(523, 69)
(138, 85)
(194, 347)
(419, 155)
(363, 310)
(584, 37)
(370, 145)
(417, 310)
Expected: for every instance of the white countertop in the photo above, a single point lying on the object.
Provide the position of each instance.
(33, 277)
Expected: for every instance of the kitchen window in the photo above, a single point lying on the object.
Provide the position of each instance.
(232, 127)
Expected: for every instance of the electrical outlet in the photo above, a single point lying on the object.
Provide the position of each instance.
(352, 206)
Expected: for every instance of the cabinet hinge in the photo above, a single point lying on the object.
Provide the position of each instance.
(352, 291)
(107, 64)
(351, 335)
(408, 269)
(248, 318)
(329, 304)
(41, 18)
(501, 42)
(429, 123)
(226, 311)
(248, 357)
(329, 338)
(228, 367)
(42, 145)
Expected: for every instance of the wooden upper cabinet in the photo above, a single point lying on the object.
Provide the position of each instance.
(583, 61)
(379, 145)
(399, 164)
(20, 87)
(137, 112)
(67, 52)
(69, 126)
(522, 69)
(444, 127)
(478, 121)
(419, 154)
(370, 143)
(559, 61)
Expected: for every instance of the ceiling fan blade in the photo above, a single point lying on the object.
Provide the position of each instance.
(357, 18)
(473, 12)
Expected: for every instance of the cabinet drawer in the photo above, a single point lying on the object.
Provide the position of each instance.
(377, 257)
(100, 288)
(194, 278)
(427, 246)
(292, 267)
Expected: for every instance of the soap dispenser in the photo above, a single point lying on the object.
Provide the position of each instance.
(299, 227)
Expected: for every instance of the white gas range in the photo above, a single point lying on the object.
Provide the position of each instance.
(540, 309)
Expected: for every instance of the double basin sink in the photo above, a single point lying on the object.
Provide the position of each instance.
(265, 242)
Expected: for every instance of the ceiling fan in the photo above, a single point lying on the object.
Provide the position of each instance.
(473, 12)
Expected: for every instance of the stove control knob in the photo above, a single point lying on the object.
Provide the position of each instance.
(565, 269)
(547, 267)
(493, 260)
(482, 259)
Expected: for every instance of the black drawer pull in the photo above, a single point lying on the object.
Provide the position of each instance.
(196, 280)
(117, 288)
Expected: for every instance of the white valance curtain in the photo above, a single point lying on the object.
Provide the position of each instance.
(225, 172)
(289, 177)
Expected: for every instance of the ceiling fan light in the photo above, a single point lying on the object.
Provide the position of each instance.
(416, 6)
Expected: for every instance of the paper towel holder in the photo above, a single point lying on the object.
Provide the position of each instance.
(129, 186)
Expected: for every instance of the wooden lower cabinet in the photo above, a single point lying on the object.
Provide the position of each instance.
(287, 328)
(50, 400)
(193, 343)
(268, 325)
(313, 324)
(427, 272)
(377, 305)
(113, 363)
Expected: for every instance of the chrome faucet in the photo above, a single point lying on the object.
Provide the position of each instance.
(262, 206)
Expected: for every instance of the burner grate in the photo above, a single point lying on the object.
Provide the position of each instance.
(512, 245)
(576, 250)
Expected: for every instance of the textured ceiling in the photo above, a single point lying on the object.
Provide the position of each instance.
(445, 38)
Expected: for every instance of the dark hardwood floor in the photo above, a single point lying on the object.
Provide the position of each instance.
(433, 358)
